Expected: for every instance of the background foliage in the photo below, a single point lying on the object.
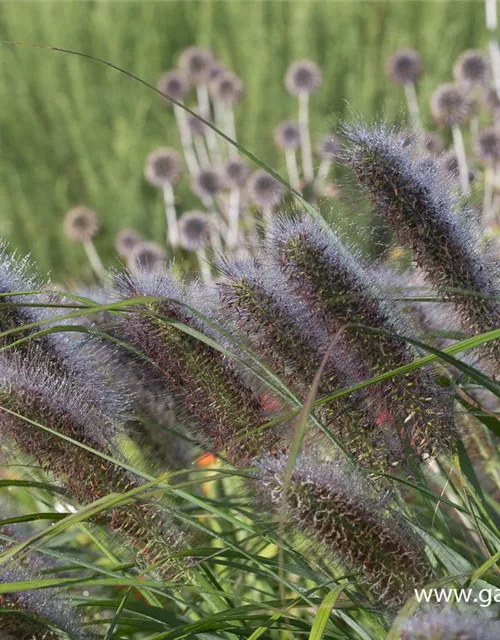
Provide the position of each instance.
(74, 132)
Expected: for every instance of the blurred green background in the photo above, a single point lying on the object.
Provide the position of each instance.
(74, 132)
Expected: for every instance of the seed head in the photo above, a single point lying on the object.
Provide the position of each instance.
(487, 145)
(422, 214)
(287, 135)
(36, 614)
(326, 276)
(434, 143)
(174, 84)
(264, 190)
(279, 329)
(303, 76)
(449, 625)
(492, 100)
(223, 409)
(472, 68)
(126, 240)
(196, 127)
(328, 147)
(196, 62)
(31, 388)
(227, 88)
(163, 167)
(194, 229)
(450, 105)
(208, 183)
(340, 510)
(81, 224)
(146, 256)
(404, 66)
(236, 173)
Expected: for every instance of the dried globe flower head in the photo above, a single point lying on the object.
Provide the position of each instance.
(472, 68)
(487, 145)
(163, 167)
(303, 76)
(194, 229)
(264, 190)
(174, 84)
(208, 183)
(328, 147)
(146, 256)
(196, 127)
(196, 62)
(287, 135)
(450, 105)
(340, 510)
(125, 241)
(227, 88)
(404, 66)
(236, 173)
(81, 224)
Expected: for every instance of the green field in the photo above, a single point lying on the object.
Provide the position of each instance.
(75, 132)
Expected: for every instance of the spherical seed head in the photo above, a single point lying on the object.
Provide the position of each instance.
(81, 224)
(303, 76)
(194, 229)
(227, 88)
(404, 66)
(434, 143)
(196, 62)
(196, 127)
(174, 84)
(328, 147)
(236, 173)
(125, 241)
(264, 190)
(493, 99)
(487, 145)
(472, 68)
(450, 105)
(287, 135)
(146, 256)
(208, 183)
(163, 167)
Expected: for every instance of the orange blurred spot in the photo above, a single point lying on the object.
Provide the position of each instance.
(206, 460)
(269, 402)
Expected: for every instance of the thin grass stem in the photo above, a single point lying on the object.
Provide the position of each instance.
(413, 108)
(305, 138)
(463, 168)
(172, 232)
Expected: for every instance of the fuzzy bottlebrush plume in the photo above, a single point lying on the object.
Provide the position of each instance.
(226, 412)
(38, 614)
(29, 388)
(421, 212)
(339, 509)
(326, 276)
(280, 332)
(450, 625)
